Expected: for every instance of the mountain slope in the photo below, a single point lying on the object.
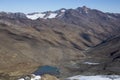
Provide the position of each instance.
(108, 55)
(93, 22)
(59, 41)
(34, 45)
(103, 59)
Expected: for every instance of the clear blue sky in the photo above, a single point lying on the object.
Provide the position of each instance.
(28, 6)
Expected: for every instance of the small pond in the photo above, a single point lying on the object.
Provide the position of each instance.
(47, 70)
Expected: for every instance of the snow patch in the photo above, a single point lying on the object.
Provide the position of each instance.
(60, 15)
(32, 77)
(36, 78)
(97, 77)
(41, 15)
(21, 79)
(110, 17)
(52, 15)
(62, 10)
(91, 63)
(35, 16)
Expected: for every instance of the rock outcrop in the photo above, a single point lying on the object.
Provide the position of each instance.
(48, 77)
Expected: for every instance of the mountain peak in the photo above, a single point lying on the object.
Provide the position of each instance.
(62, 10)
(83, 9)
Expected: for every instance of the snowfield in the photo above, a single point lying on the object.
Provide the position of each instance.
(79, 77)
(46, 15)
(41, 15)
(97, 77)
(52, 15)
(35, 16)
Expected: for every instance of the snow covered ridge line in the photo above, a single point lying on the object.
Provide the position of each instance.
(96, 77)
(35, 16)
(46, 15)
(41, 15)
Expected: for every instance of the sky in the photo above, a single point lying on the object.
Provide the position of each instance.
(28, 6)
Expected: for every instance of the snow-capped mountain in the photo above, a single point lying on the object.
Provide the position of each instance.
(57, 13)
(46, 15)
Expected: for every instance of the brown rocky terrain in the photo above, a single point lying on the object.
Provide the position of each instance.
(48, 77)
(26, 44)
(103, 59)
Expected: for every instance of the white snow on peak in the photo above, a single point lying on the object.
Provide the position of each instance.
(52, 15)
(91, 63)
(62, 10)
(35, 16)
(41, 15)
(46, 15)
(96, 77)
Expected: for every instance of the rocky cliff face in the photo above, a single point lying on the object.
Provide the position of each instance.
(61, 41)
